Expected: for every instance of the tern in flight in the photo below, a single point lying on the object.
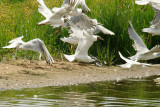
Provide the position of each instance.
(76, 11)
(35, 45)
(130, 62)
(84, 22)
(154, 29)
(85, 41)
(55, 19)
(143, 53)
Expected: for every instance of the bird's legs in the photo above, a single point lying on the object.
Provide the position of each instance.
(14, 55)
(58, 29)
(9, 51)
(72, 46)
(149, 39)
(97, 62)
(144, 8)
(40, 56)
(147, 36)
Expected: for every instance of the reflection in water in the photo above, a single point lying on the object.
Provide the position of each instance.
(131, 92)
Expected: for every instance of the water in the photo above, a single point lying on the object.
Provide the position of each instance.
(131, 92)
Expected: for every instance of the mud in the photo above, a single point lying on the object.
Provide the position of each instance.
(33, 74)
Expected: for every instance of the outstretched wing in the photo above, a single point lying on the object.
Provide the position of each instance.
(64, 10)
(156, 17)
(157, 25)
(14, 43)
(59, 13)
(44, 10)
(105, 30)
(17, 39)
(67, 2)
(75, 30)
(129, 62)
(82, 21)
(84, 43)
(156, 5)
(138, 42)
(155, 49)
(70, 39)
(125, 59)
(47, 55)
(84, 6)
(38, 46)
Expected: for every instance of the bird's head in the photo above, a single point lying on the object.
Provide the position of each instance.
(65, 20)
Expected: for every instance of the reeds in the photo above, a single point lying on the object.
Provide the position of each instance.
(20, 17)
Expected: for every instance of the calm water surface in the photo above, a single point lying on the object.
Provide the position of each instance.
(130, 92)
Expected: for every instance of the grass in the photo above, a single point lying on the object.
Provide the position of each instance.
(20, 17)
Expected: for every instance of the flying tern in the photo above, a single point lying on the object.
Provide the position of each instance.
(35, 45)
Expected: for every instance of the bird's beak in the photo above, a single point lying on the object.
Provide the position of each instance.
(100, 38)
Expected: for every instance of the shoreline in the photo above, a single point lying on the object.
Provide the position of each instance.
(35, 74)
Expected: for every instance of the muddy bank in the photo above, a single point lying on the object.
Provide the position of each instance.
(32, 74)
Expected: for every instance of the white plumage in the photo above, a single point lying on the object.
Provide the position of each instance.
(154, 3)
(35, 45)
(75, 11)
(55, 19)
(129, 62)
(72, 39)
(143, 53)
(154, 29)
(85, 41)
(156, 16)
(83, 5)
(84, 22)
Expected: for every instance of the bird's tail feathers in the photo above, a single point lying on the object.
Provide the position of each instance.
(69, 57)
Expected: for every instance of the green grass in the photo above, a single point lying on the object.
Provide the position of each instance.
(20, 17)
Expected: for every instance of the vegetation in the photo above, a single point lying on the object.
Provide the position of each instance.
(20, 17)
